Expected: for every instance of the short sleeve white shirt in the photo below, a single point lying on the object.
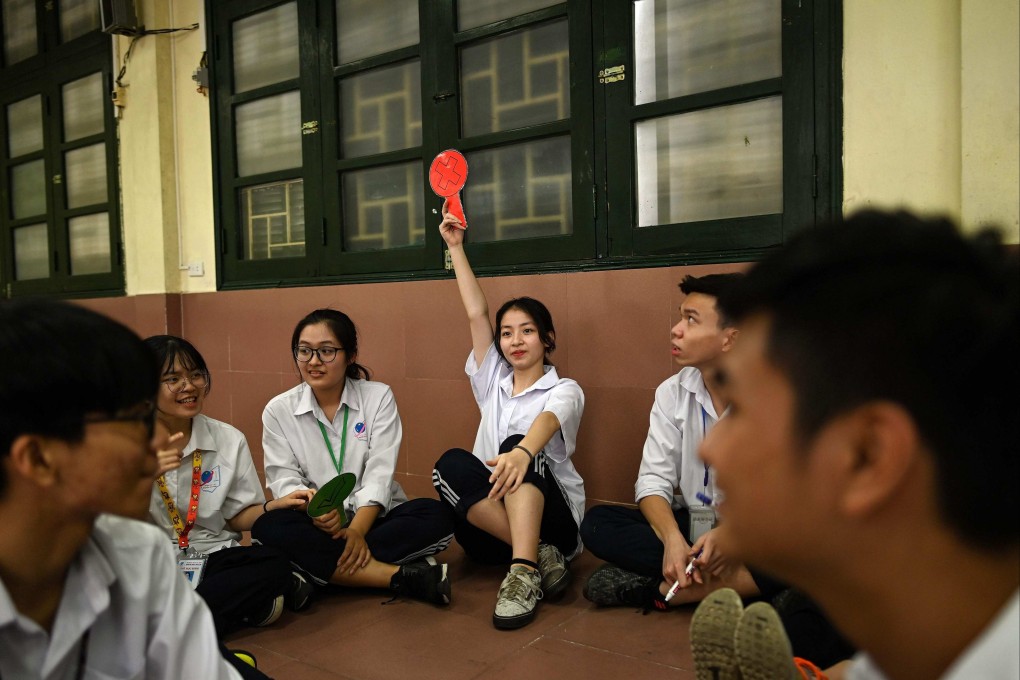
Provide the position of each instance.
(229, 480)
(296, 456)
(670, 465)
(505, 414)
(142, 617)
(993, 655)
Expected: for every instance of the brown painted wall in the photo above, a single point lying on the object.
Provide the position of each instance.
(612, 337)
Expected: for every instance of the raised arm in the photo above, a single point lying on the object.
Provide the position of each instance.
(470, 292)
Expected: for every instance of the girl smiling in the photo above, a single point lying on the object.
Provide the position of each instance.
(517, 496)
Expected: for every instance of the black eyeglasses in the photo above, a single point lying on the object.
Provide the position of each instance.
(176, 383)
(326, 354)
(144, 413)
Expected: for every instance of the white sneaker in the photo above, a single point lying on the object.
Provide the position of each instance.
(518, 597)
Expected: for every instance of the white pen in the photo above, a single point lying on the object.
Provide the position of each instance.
(673, 589)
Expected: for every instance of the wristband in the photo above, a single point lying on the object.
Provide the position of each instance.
(530, 454)
(265, 507)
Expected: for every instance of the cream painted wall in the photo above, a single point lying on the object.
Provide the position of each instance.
(166, 156)
(931, 111)
(990, 89)
(901, 104)
(931, 119)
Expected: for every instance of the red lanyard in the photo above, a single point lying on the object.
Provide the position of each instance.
(182, 529)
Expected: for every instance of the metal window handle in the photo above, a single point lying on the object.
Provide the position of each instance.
(440, 96)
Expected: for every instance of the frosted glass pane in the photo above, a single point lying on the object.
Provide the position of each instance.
(78, 17)
(687, 46)
(381, 110)
(516, 80)
(269, 134)
(368, 27)
(480, 12)
(83, 107)
(20, 40)
(266, 48)
(25, 126)
(85, 175)
(273, 220)
(28, 189)
(31, 253)
(711, 164)
(382, 207)
(519, 191)
(90, 244)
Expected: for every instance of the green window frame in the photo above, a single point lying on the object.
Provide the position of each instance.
(600, 127)
(56, 63)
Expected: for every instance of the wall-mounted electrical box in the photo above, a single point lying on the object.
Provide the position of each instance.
(119, 16)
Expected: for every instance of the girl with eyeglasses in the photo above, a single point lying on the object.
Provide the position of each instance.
(338, 421)
(208, 492)
(517, 496)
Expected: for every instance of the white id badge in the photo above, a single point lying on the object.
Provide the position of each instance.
(702, 519)
(192, 568)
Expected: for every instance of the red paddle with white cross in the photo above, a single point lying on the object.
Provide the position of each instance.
(447, 176)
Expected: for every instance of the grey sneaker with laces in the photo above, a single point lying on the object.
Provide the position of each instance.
(555, 572)
(518, 597)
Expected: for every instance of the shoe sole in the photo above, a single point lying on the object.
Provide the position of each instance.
(556, 588)
(762, 648)
(514, 622)
(713, 629)
(444, 587)
(274, 615)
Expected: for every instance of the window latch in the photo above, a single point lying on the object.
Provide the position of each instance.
(310, 128)
(440, 96)
(612, 74)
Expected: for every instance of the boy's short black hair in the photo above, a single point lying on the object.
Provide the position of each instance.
(59, 362)
(714, 285)
(892, 307)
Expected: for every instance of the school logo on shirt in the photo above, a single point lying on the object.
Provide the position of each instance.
(360, 431)
(211, 479)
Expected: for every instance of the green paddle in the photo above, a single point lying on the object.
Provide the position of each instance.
(332, 495)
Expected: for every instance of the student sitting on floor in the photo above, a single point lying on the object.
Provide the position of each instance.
(208, 492)
(83, 593)
(517, 496)
(870, 455)
(650, 549)
(338, 421)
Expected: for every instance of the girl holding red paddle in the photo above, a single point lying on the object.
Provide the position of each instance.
(517, 496)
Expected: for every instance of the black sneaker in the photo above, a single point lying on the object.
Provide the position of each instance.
(272, 612)
(611, 586)
(423, 580)
(299, 592)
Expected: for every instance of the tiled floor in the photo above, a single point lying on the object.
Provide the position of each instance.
(355, 637)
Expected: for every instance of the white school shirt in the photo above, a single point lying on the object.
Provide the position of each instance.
(670, 465)
(230, 484)
(992, 655)
(296, 456)
(143, 619)
(504, 415)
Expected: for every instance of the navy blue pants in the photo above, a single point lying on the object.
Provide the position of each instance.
(462, 480)
(240, 582)
(622, 536)
(410, 531)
